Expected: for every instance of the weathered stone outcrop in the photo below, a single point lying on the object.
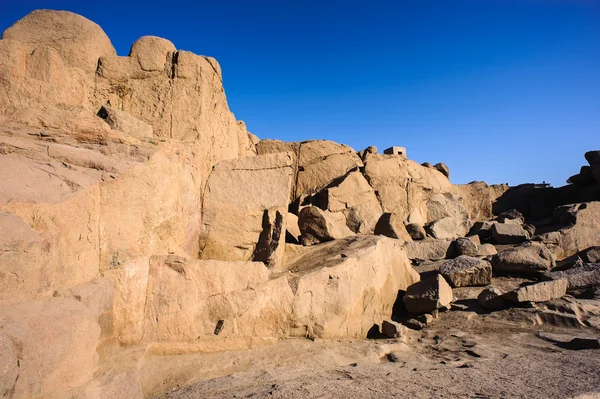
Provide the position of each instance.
(337, 296)
(244, 207)
(49, 347)
(198, 300)
(317, 226)
(354, 197)
(527, 259)
(317, 163)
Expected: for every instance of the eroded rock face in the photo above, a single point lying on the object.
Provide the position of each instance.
(390, 225)
(54, 341)
(430, 249)
(79, 41)
(198, 300)
(336, 296)
(244, 207)
(464, 271)
(353, 197)
(317, 226)
(529, 258)
(584, 231)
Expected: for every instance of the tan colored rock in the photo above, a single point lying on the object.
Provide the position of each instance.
(402, 185)
(9, 366)
(119, 120)
(446, 205)
(448, 228)
(79, 41)
(390, 225)
(429, 248)
(292, 227)
(428, 295)
(487, 250)
(503, 233)
(318, 226)
(343, 296)
(479, 198)
(466, 271)
(244, 207)
(98, 296)
(190, 300)
(443, 169)
(539, 292)
(583, 234)
(528, 258)
(152, 53)
(56, 341)
(317, 163)
(355, 198)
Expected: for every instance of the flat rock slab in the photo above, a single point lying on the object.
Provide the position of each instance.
(539, 292)
(503, 233)
(584, 276)
(428, 249)
(571, 342)
(465, 271)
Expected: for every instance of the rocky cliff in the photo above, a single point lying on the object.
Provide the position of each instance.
(137, 212)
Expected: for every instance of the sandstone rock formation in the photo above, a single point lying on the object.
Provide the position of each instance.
(139, 218)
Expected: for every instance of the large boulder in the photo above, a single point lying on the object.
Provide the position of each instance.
(508, 233)
(465, 271)
(79, 41)
(527, 259)
(342, 288)
(152, 53)
(390, 225)
(51, 343)
(353, 197)
(539, 292)
(403, 186)
(244, 207)
(318, 226)
(584, 276)
(584, 231)
(428, 295)
(317, 163)
(429, 249)
(448, 228)
(466, 246)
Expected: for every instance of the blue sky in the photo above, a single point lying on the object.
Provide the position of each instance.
(506, 91)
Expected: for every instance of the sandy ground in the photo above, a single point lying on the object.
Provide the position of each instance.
(463, 354)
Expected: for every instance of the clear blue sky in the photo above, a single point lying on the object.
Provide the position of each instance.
(505, 91)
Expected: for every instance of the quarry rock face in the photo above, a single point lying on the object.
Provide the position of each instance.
(336, 296)
(244, 207)
(139, 216)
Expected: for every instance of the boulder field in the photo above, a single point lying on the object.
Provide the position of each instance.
(140, 219)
